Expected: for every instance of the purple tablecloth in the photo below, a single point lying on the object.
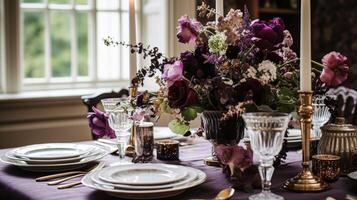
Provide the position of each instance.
(18, 184)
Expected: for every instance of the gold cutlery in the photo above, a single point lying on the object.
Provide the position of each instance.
(56, 182)
(53, 176)
(351, 197)
(69, 185)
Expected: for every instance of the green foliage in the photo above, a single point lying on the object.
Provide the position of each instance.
(287, 100)
(178, 126)
(190, 113)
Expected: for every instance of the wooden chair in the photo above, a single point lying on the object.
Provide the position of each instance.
(347, 103)
(94, 99)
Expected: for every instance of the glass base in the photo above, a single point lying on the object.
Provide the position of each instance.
(266, 195)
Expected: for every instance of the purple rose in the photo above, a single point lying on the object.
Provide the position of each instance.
(267, 35)
(173, 72)
(234, 156)
(98, 122)
(335, 69)
(181, 95)
(188, 29)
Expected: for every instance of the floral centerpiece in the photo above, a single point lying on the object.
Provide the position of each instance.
(236, 62)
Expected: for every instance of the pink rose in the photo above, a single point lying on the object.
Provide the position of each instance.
(188, 29)
(98, 123)
(234, 156)
(335, 69)
(173, 72)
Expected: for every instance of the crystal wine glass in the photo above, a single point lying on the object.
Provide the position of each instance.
(320, 117)
(266, 132)
(120, 121)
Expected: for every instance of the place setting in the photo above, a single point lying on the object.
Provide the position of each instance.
(53, 157)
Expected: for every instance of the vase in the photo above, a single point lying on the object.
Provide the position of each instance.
(339, 139)
(219, 131)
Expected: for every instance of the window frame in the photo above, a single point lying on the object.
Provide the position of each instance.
(73, 81)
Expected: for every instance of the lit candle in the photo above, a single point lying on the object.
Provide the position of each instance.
(305, 47)
(132, 38)
(219, 8)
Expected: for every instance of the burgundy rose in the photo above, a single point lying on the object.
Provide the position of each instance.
(180, 94)
(188, 29)
(98, 122)
(335, 69)
(267, 35)
(251, 89)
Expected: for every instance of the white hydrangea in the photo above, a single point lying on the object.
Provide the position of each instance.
(251, 73)
(267, 71)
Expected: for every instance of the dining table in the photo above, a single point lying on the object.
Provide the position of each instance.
(16, 183)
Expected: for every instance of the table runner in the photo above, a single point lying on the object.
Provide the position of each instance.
(18, 184)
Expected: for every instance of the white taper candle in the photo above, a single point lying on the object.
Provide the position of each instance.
(132, 38)
(305, 46)
(219, 8)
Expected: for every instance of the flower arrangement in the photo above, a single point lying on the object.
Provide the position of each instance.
(235, 60)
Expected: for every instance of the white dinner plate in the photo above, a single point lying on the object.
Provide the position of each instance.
(55, 167)
(192, 175)
(161, 133)
(353, 175)
(143, 174)
(294, 133)
(10, 154)
(145, 194)
(51, 151)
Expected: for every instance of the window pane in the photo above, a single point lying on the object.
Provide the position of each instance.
(33, 44)
(108, 57)
(124, 4)
(108, 4)
(125, 54)
(81, 2)
(59, 1)
(31, 1)
(60, 43)
(82, 43)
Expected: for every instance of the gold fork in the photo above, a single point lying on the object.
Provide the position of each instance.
(53, 176)
(69, 185)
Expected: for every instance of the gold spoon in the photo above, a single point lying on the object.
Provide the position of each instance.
(224, 194)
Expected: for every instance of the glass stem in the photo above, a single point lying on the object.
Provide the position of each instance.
(121, 143)
(266, 170)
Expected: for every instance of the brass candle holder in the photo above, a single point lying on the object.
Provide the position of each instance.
(130, 150)
(305, 181)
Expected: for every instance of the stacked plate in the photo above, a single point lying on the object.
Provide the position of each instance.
(144, 181)
(53, 156)
(294, 138)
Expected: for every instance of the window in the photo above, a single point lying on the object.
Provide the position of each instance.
(61, 42)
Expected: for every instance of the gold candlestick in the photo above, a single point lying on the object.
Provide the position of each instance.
(130, 150)
(305, 181)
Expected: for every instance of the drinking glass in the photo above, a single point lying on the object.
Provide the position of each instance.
(120, 121)
(109, 104)
(266, 131)
(320, 117)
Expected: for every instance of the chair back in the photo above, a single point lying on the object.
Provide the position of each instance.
(347, 103)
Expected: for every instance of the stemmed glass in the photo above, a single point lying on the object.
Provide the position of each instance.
(320, 117)
(266, 132)
(120, 121)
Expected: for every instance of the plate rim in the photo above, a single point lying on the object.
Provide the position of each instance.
(23, 148)
(199, 180)
(193, 175)
(141, 166)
